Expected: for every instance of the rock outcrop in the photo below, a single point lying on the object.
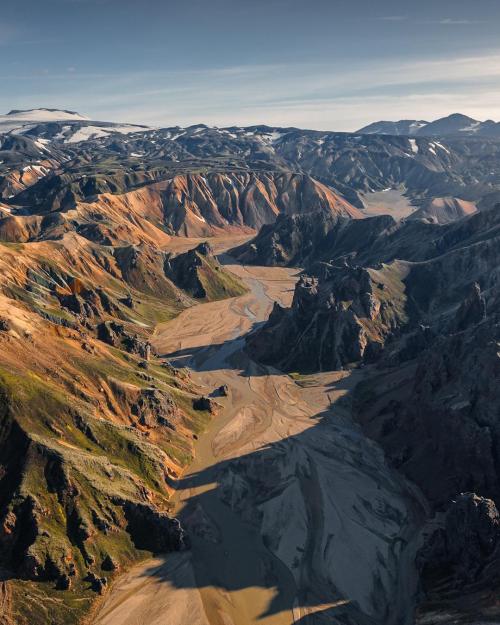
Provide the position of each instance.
(199, 273)
(463, 554)
(153, 530)
(342, 317)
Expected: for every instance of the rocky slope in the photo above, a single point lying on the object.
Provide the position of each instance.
(374, 280)
(93, 425)
(201, 205)
(341, 317)
(418, 304)
(191, 205)
(198, 273)
(302, 240)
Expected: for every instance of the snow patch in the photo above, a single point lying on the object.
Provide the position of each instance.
(440, 145)
(96, 132)
(87, 132)
(472, 128)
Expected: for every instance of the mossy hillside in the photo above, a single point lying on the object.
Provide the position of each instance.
(104, 462)
(217, 282)
(43, 284)
(199, 273)
(39, 603)
(389, 289)
(88, 454)
(46, 410)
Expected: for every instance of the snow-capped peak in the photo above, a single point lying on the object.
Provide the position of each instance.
(45, 115)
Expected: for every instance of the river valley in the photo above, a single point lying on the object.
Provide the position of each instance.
(294, 516)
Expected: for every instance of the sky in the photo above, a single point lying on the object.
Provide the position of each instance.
(322, 64)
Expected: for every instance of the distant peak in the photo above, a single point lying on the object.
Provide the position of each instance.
(46, 114)
(458, 116)
(18, 111)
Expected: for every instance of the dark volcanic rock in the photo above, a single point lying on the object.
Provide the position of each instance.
(301, 240)
(98, 584)
(109, 563)
(205, 403)
(334, 320)
(221, 391)
(5, 324)
(154, 530)
(114, 334)
(465, 550)
(87, 303)
(183, 269)
(64, 582)
(472, 310)
(446, 430)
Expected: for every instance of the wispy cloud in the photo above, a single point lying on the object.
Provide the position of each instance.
(449, 21)
(314, 95)
(445, 21)
(394, 18)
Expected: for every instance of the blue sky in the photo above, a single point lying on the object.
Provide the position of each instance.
(334, 64)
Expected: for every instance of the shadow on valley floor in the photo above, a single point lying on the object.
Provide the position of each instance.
(228, 354)
(240, 512)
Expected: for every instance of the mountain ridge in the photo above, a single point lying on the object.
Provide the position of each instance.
(455, 124)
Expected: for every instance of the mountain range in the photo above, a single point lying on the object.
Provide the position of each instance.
(453, 125)
(112, 234)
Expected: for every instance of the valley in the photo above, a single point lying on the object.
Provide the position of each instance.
(388, 202)
(284, 490)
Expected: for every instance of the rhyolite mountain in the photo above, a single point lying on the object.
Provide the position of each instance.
(93, 423)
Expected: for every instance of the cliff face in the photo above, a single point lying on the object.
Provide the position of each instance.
(461, 557)
(447, 415)
(200, 274)
(382, 283)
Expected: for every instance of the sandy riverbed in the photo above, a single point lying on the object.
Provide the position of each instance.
(294, 516)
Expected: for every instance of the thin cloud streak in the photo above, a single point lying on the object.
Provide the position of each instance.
(320, 95)
(393, 18)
